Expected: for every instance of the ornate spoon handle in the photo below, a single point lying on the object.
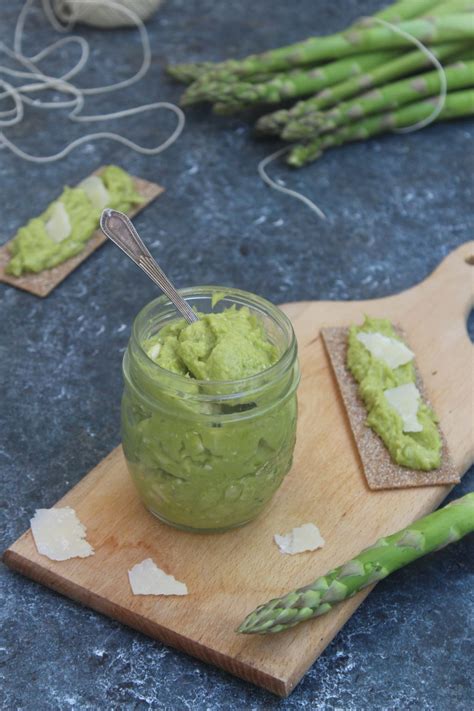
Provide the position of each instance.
(119, 228)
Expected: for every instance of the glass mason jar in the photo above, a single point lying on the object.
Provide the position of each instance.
(208, 455)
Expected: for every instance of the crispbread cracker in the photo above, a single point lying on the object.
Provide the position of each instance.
(44, 282)
(380, 471)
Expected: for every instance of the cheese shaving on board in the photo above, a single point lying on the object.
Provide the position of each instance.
(390, 350)
(59, 535)
(147, 579)
(302, 538)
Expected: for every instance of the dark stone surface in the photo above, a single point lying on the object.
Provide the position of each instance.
(396, 207)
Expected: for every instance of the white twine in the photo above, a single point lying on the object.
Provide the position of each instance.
(38, 81)
(276, 186)
(443, 83)
(443, 91)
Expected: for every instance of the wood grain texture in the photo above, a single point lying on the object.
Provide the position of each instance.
(44, 282)
(229, 574)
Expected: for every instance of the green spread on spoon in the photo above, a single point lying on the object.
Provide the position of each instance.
(380, 365)
(65, 227)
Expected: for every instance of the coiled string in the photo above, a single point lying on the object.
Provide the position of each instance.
(33, 81)
(30, 81)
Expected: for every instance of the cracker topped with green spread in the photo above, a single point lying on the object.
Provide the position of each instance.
(395, 428)
(69, 222)
(384, 368)
(49, 247)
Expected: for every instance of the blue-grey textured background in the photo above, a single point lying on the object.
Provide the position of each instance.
(396, 205)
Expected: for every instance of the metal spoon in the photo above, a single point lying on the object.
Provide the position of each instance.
(119, 228)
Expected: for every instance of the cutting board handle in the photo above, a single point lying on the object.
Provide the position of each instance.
(451, 285)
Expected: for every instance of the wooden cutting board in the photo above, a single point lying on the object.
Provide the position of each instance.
(229, 574)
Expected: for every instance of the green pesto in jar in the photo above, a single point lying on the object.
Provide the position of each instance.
(230, 345)
(209, 465)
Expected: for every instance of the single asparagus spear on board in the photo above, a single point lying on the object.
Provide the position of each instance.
(398, 11)
(388, 554)
(391, 96)
(458, 104)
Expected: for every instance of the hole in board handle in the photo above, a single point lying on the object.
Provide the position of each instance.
(470, 325)
(470, 260)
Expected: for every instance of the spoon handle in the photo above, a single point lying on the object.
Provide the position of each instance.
(119, 228)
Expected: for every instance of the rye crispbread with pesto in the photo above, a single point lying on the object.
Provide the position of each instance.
(380, 470)
(43, 282)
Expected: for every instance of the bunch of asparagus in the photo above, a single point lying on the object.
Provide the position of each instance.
(351, 85)
(430, 533)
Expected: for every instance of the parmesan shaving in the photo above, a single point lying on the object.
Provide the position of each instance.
(147, 579)
(405, 400)
(58, 226)
(59, 535)
(96, 191)
(302, 538)
(154, 351)
(390, 350)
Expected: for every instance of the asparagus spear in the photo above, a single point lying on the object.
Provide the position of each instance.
(400, 66)
(398, 11)
(388, 554)
(284, 85)
(458, 76)
(381, 73)
(362, 71)
(356, 70)
(430, 30)
(404, 10)
(405, 64)
(408, 9)
(458, 104)
(188, 72)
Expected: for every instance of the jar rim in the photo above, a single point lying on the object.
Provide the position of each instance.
(284, 361)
